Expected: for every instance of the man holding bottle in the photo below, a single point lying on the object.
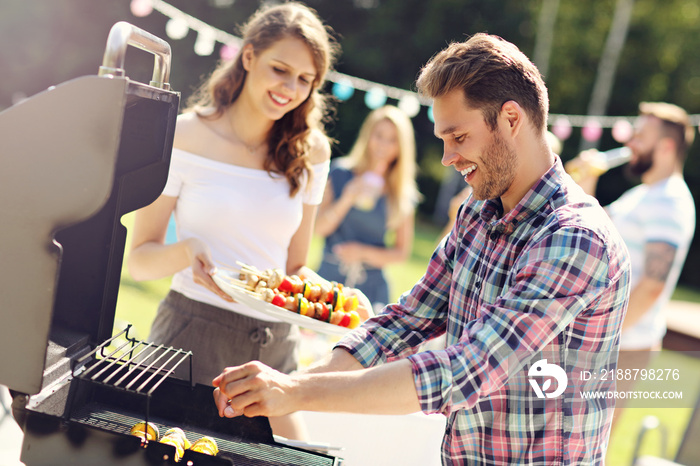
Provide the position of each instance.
(656, 220)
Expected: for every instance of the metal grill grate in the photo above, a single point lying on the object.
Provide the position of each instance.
(134, 365)
(131, 365)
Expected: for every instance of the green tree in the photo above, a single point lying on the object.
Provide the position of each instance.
(45, 42)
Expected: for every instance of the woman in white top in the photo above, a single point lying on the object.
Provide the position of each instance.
(249, 165)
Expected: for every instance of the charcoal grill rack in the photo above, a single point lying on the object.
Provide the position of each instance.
(249, 453)
(125, 376)
(133, 366)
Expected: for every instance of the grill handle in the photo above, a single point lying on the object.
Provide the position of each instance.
(123, 34)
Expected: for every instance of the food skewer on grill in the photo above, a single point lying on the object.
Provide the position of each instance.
(145, 431)
(206, 445)
(176, 437)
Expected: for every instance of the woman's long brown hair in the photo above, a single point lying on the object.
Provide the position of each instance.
(288, 142)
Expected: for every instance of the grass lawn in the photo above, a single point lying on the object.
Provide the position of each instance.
(137, 305)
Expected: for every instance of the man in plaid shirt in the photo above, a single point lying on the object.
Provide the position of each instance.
(532, 266)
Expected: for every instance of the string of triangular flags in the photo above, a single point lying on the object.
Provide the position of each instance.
(344, 86)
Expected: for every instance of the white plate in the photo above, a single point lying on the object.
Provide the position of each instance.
(223, 279)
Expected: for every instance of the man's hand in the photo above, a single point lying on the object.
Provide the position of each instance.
(253, 389)
(585, 169)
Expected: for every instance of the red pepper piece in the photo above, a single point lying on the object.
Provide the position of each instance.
(278, 300)
(285, 286)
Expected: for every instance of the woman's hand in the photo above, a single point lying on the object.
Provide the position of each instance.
(350, 252)
(203, 266)
(365, 308)
(353, 189)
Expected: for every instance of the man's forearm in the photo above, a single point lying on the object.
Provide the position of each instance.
(338, 360)
(385, 389)
(642, 298)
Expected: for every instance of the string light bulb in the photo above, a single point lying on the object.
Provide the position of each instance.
(375, 97)
(344, 87)
(141, 8)
(592, 131)
(177, 28)
(562, 128)
(622, 131)
(204, 45)
(228, 52)
(410, 105)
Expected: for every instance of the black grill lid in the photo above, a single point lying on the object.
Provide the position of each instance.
(73, 160)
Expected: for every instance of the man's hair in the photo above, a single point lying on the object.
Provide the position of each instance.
(675, 124)
(490, 71)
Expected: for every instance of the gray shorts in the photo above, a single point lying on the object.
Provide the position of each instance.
(220, 338)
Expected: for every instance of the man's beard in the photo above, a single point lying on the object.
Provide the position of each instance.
(497, 168)
(636, 169)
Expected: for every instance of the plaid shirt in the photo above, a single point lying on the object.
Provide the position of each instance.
(552, 275)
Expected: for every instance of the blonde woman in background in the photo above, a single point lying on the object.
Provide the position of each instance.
(371, 195)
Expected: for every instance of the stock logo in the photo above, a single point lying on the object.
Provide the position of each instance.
(542, 369)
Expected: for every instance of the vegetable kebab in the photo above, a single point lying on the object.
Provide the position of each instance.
(324, 301)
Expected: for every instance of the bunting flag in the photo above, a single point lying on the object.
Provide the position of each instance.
(344, 86)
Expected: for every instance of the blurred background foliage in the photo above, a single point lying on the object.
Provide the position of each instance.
(46, 42)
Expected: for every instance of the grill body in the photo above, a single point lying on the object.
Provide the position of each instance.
(94, 425)
(73, 160)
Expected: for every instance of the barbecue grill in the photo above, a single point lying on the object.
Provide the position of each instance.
(74, 159)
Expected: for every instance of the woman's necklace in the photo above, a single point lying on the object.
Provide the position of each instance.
(253, 149)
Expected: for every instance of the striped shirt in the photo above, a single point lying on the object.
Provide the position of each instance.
(549, 277)
(663, 212)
